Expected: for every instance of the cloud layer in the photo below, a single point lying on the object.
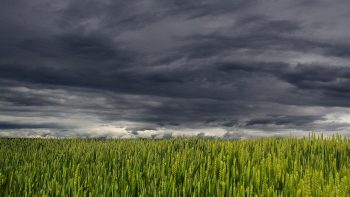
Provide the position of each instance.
(152, 68)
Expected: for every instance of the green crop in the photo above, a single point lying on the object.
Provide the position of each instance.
(175, 167)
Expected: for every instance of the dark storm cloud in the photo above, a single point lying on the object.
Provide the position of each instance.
(142, 66)
(8, 125)
(294, 121)
(331, 80)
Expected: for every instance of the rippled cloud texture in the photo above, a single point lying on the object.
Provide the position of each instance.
(163, 68)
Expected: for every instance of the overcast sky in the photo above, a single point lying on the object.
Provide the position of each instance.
(161, 68)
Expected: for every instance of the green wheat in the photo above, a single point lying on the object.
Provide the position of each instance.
(311, 166)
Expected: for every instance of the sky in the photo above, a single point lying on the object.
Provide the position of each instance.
(165, 68)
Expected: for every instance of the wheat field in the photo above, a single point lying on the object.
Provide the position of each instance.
(312, 166)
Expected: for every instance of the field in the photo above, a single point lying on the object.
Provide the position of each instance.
(175, 167)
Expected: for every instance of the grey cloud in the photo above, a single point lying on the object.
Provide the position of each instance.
(232, 135)
(9, 125)
(295, 121)
(130, 67)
